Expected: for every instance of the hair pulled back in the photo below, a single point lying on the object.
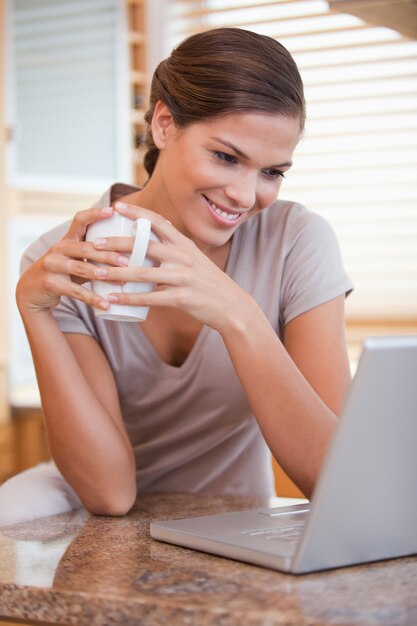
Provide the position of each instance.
(224, 71)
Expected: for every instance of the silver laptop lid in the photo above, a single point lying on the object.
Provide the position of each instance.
(365, 504)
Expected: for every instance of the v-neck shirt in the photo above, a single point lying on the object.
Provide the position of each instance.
(191, 427)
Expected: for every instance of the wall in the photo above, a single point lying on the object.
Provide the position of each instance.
(3, 201)
(21, 202)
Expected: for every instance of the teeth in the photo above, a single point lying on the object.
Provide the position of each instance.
(228, 216)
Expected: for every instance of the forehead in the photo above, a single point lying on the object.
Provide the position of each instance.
(251, 130)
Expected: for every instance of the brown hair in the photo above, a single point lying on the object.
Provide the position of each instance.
(224, 71)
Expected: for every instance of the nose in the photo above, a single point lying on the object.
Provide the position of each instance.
(242, 191)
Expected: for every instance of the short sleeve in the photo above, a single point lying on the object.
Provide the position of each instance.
(75, 317)
(313, 269)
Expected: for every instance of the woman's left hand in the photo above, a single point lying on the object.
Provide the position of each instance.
(186, 278)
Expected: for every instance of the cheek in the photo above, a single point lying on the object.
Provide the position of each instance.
(268, 193)
(201, 173)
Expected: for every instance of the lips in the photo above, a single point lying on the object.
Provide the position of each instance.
(227, 218)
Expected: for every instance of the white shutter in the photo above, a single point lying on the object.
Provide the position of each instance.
(356, 164)
(68, 103)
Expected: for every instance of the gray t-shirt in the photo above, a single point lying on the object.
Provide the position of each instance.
(191, 426)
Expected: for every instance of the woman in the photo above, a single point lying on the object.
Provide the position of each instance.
(244, 342)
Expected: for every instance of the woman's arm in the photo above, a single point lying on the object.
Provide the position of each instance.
(294, 388)
(316, 342)
(80, 404)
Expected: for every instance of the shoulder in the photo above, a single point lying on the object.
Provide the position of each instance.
(293, 217)
(41, 245)
(285, 223)
(304, 234)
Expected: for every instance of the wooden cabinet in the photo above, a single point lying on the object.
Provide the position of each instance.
(31, 446)
(284, 486)
(8, 464)
(136, 24)
(22, 442)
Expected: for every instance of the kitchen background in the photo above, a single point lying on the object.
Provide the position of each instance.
(74, 78)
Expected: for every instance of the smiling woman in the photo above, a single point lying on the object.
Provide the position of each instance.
(243, 349)
(209, 188)
(356, 166)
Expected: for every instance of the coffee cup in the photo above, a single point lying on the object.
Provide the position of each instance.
(120, 226)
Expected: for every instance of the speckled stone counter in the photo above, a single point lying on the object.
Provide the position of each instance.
(84, 570)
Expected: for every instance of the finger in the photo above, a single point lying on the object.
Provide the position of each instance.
(175, 254)
(122, 244)
(182, 257)
(156, 250)
(83, 219)
(162, 227)
(133, 211)
(79, 271)
(81, 281)
(157, 275)
(87, 250)
(58, 264)
(163, 297)
(65, 287)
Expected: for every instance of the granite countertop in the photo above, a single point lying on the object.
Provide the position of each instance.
(86, 570)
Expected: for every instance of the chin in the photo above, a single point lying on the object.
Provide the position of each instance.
(215, 241)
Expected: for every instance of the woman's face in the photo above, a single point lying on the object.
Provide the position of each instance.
(212, 176)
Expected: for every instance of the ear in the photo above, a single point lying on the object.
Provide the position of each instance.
(163, 126)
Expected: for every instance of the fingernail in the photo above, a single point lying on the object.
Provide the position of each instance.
(113, 298)
(122, 205)
(100, 242)
(100, 272)
(107, 210)
(104, 304)
(123, 260)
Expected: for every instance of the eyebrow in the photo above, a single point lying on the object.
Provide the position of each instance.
(243, 155)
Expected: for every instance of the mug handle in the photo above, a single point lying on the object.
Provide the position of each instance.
(137, 258)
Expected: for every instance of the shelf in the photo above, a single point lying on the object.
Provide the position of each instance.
(137, 77)
(137, 117)
(138, 156)
(7, 452)
(135, 38)
(138, 80)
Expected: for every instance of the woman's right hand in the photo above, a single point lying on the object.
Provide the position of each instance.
(76, 383)
(63, 269)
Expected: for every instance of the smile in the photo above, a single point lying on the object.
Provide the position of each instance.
(225, 216)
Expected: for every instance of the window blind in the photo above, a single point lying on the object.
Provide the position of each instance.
(66, 100)
(356, 164)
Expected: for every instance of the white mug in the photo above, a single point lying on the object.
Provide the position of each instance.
(119, 226)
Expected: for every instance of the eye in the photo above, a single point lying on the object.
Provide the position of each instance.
(273, 173)
(226, 158)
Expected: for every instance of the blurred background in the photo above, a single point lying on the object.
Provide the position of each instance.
(74, 78)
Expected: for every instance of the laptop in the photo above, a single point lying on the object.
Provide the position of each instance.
(364, 506)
